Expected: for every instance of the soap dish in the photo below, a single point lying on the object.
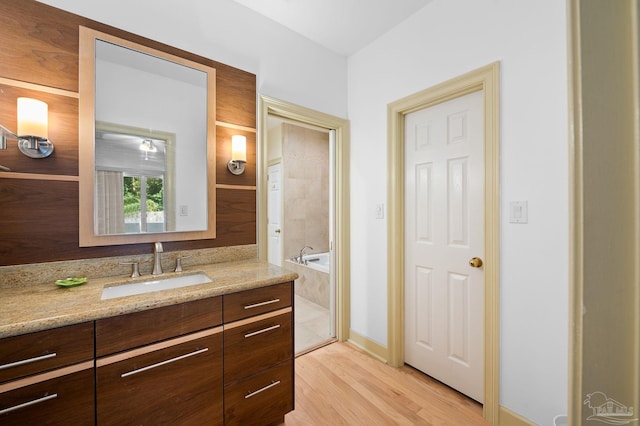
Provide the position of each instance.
(71, 282)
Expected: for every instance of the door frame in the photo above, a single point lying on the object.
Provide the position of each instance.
(270, 106)
(487, 80)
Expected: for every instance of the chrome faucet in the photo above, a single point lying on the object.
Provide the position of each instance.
(157, 265)
(300, 261)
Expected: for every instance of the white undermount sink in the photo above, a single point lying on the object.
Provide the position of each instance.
(154, 285)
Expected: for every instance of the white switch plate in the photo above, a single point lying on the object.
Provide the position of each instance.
(379, 211)
(518, 212)
(184, 210)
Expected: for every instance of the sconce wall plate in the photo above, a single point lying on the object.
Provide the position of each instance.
(236, 167)
(40, 148)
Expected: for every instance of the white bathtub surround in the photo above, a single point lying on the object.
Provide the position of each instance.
(313, 282)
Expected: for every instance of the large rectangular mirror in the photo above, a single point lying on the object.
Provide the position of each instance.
(147, 144)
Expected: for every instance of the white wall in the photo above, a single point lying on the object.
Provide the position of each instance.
(443, 40)
(287, 66)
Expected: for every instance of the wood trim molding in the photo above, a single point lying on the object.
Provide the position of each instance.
(235, 126)
(27, 381)
(38, 87)
(270, 106)
(374, 349)
(244, 187)
(486, 79)
(257, 318)
(35, 176)
(100, 362)
(509, 418)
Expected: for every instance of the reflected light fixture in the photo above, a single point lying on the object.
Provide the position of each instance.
(33, 129)
(147, 146)
(238, 154)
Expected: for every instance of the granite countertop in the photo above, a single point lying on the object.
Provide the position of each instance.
(40, 307)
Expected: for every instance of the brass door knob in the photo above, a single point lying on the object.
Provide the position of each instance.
(475, 262)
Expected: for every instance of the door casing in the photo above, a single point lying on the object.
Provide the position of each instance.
(487, 80)
(267, 106)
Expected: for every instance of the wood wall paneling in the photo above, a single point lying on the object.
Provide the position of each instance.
(236, 216)
(39, 44)
(236, 96)
(39, 220)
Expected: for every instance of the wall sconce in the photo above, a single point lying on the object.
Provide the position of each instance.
(238, 154)
(33, 129)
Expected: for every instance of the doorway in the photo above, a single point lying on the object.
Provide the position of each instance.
(271, 238)
(486, 81)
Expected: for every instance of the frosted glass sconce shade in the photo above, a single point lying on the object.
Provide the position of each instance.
(238, 154)
(33, 118)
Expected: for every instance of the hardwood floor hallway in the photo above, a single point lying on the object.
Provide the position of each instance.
(341, 385)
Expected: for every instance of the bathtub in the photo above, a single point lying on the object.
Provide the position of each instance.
(318, 261)
(313, 278)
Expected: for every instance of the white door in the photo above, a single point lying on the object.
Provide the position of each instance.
(444, 231)
(274, 215)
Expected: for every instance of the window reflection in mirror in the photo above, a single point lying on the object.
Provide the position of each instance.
(153, 133)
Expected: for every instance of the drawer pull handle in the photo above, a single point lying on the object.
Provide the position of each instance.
(27, 361)
(27, 404)
(264, 330)
(250, 394)
(159, 364)
(268, 302)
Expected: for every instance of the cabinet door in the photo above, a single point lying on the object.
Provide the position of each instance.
(128, 331)
(40, 351)
(175, 382)
(260, 399)
(60, 401)
(256, 344)
(248, 303)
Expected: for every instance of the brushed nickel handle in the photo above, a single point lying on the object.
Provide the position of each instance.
(28, 404)
(159, 364)
(277, 231)
(475, 262)
(264, 330)
(268, 302)
(250, 394)
(28, 361)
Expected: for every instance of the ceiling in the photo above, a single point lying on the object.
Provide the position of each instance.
(342, 26)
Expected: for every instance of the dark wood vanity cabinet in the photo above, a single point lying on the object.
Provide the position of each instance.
(222, 360)
(258, 355)
(46, 378)
(162, 366)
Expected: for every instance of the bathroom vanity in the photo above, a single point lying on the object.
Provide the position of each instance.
(216, 353)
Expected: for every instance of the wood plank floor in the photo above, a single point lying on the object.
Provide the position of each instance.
(341, 385)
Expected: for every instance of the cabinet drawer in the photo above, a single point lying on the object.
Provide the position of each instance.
(258, 301)
(175, 382)
(260, 399)
(34, 353)
(142, 328)
(64, 400)
(256, 344)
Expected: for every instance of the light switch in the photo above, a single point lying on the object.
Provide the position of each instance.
(184, 210)
(518, 212)
(380, 211)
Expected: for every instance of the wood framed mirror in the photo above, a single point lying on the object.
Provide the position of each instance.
(147, 144)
